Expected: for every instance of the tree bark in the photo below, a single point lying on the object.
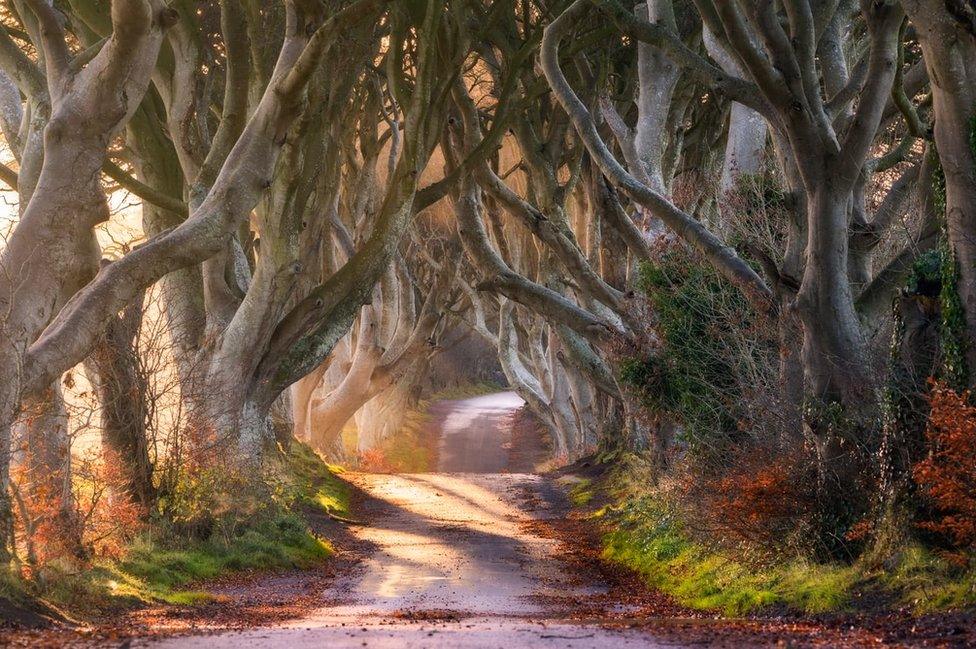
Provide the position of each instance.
(50, 253)
(949, 48)
(123, 395)
(747, 128)
(42, 433)
(657, 76)
(834, 351)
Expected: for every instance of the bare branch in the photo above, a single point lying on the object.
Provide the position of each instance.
(718, 252)
(144, 191)
(884, 19)
(56, 55)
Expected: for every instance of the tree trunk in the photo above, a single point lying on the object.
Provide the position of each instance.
(747, 128)
(840, 403)
(255, 433)
(915, 345)
(282, 420)
(949, 48)
(384, 415)
(302, 393)
(330, 414)
(657, 77)
(123, 395)
(834, 352)
(6, 506)
(42, 433)
(46, 259)
(790, 393)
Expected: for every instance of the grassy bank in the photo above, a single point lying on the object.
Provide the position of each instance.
(163, 564)
(647, 536)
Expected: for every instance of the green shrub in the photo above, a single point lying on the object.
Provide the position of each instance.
(708, 341)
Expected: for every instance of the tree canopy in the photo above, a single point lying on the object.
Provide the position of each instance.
(686, 229)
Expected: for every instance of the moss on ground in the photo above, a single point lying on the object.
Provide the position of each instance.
(12, 588)
(582, 492)
(647, 537)
(309, 480)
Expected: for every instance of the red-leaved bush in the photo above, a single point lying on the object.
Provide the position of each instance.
(110, 516)
(948, 475)
(760, 497)
(373, 460)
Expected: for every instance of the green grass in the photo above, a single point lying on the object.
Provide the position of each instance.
(283, 542)
(930, 583)
(648, 541)
(647, 537)
(159, 573)
(160, 567)
(154, 571)
(309, 480)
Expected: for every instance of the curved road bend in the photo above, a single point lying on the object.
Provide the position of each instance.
(452, 562)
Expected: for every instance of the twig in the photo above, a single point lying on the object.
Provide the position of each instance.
(347, 521)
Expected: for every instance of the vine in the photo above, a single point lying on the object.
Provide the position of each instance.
(952, 328)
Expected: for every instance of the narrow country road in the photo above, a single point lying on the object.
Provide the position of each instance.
(475, 433)
(451, 559)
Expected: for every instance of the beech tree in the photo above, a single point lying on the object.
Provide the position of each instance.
(267, 332)
(395, 337)
(825, 138)
(814, 157)
(947, 35)
(88, 105)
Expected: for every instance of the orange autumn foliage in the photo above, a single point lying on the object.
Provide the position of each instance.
(111, 517)
(72, 522)
(948, 475)
(758, 498)
(373, 460)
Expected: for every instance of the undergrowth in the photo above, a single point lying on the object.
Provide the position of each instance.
(410, 450)
(164, 565)
(647, 535)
